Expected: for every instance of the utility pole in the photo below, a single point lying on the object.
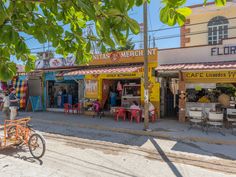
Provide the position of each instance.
(146, 81)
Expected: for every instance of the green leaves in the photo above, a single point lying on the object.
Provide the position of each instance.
(64, 24)
(172, 13)
(134, 26)
(220, 2)
(217, 2)
(7, 70)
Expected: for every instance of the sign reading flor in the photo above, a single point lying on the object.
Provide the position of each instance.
(225, 50)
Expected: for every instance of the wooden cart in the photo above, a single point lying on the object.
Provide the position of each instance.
(19, 132)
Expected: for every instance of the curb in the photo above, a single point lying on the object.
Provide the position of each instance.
(161, 135)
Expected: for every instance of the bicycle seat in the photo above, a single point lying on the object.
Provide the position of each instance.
(30, 126)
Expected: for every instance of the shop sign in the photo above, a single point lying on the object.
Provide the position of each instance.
(124, 75)
(129, 56)
(211, 75)
(91, 88)
(55, 62)
(69, 61)
(225, 50)
(59, 78)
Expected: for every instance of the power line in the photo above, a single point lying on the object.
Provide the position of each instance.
(161, 38)
(175, 27)
(186, 34)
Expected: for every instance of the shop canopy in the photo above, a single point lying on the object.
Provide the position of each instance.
(104, 70)
(197, 66)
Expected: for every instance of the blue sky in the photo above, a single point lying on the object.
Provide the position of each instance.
(154, 24)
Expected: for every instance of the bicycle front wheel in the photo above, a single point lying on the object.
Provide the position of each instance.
(37, 145)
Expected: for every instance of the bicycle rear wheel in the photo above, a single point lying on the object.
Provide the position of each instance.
(37, 145)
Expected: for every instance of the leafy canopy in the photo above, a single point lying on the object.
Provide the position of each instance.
(45, 20)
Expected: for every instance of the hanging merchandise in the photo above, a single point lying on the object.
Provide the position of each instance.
(21, 87)
(119, 86)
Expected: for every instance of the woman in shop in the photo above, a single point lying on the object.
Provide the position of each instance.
(113, 96)
(59, 99)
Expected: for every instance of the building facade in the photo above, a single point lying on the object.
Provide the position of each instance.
(194, 75)
(208, 25)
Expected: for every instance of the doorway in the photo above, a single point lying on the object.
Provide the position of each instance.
(169, 97)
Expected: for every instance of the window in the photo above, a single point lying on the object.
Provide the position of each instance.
(217, 30)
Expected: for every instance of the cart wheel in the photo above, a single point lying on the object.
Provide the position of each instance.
(37, 145)
(11, 132)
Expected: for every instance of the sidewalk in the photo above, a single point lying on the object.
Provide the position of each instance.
(165, 129)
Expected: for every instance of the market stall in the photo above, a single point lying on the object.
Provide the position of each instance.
(60, 90)
(118, 81)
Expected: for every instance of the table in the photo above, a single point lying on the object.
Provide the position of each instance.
(127, 109)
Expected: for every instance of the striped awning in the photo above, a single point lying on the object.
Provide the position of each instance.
(104, 70)
(198, 66)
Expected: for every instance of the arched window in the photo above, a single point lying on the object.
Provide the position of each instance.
(217, 30)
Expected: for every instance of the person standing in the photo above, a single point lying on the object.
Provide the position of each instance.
(13, 104)
(6, 104)
(113, 96)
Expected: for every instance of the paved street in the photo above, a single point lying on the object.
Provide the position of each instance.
(67, 156)
(89, 152)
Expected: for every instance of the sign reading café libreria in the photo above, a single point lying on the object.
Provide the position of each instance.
(129, 56)
(210, 75)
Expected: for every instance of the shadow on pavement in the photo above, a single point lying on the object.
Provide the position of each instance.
(165, 158)
(21, 153)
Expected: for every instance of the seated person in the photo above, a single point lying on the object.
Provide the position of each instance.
(134, 105)
(96, 106)
(151, 110)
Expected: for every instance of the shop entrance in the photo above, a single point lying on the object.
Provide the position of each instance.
(120, 92)
(169, 97)
(210, 96)
(60, 93)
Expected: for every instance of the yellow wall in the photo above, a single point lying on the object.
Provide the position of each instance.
(154, 89)
(205, 14)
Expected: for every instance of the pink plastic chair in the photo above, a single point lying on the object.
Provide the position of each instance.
(76, 108)
(120, 112)
(67, 108)
(135, 114)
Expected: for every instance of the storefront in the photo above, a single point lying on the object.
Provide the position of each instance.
(60, 89)
(57, 88)
(202, 78)
(116, 79)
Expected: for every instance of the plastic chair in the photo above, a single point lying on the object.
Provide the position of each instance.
(216, 120)
(196, 119)
(67, 108)
(120, 112)
(135, 114)
(76, 108)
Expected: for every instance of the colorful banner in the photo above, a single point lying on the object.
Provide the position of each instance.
(91, 88)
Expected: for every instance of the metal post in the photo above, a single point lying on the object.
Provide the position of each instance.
(146, 92)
